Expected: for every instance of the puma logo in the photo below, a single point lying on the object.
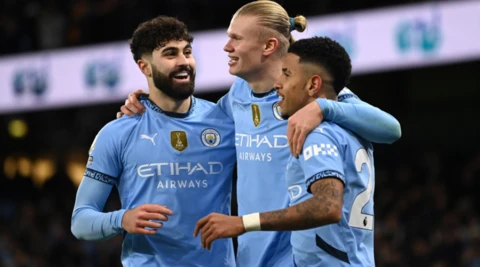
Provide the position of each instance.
(144, 136)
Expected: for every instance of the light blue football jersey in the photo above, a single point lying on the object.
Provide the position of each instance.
(262, 154)
(332, 151)
(183, 161)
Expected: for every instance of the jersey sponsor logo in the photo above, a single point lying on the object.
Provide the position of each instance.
(256, 115)
(151, 138)
(253, 156)
(321, 149)
(170, 184)
(178, 140)
(177, 168)
(258, 140)
(210, 138)
(277, 111)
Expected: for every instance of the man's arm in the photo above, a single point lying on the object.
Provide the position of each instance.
(367, 121)
(324, 179)
(324, 207)
(90, 223)
(88, 220)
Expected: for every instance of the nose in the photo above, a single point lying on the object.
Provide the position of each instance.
(228, 46)
(277, 85)
(183, 60)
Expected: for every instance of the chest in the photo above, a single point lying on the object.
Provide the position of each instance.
(258, 117)
(178, 149)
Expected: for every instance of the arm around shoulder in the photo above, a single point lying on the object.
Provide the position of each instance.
(369, 122)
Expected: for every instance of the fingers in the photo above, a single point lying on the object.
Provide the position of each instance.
(143, 231)
(119, 115)
(157, 208)
(206, 236)
(299, 142)
(126, 111)
(200, 224)
(145, 215)
(290, 133)
(132, 107)
(134, 104)
(149, 224)
(294, 142)
(209, 240)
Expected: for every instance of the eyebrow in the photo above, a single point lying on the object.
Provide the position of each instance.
(175, 49)
(232, 34)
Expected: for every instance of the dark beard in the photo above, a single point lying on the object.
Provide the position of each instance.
(166, 84)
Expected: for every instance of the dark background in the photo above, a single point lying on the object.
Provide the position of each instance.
(426, 199)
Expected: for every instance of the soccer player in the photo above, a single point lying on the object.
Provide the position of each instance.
(171, 166)
(331, 184)
(260, 34)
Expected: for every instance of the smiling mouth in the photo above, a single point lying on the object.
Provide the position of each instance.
(183, 75)
(233, 59)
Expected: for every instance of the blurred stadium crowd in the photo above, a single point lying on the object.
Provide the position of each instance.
(426, 204)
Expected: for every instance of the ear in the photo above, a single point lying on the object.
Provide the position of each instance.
(314, 85)
(270, 46)
(144, 66)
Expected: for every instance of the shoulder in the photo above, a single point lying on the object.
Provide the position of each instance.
(117, 131)
(211, 112)
(202, 103)
(240, 88)
(331, 134)
(121, 126)
(325, 131)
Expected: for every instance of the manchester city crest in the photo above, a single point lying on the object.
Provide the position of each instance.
(277, 111)
(210, 138)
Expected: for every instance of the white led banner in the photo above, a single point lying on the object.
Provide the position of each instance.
(377, 40)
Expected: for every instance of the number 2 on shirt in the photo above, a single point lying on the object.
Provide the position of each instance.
(357, 218)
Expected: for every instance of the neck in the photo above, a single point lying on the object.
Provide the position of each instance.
(168, 104)
(327, 94)
(264, 80)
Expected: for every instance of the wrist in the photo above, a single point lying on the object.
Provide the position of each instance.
(251, 222)
(121, 217)
(323, 105)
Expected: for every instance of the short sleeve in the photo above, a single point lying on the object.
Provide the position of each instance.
(321, 157)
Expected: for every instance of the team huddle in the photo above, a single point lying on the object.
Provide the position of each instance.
(301, 141)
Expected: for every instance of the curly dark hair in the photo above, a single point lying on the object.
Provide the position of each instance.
(156, 33)
(326, 53)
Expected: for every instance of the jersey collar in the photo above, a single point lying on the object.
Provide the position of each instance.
(157, 109)
(261, 95)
